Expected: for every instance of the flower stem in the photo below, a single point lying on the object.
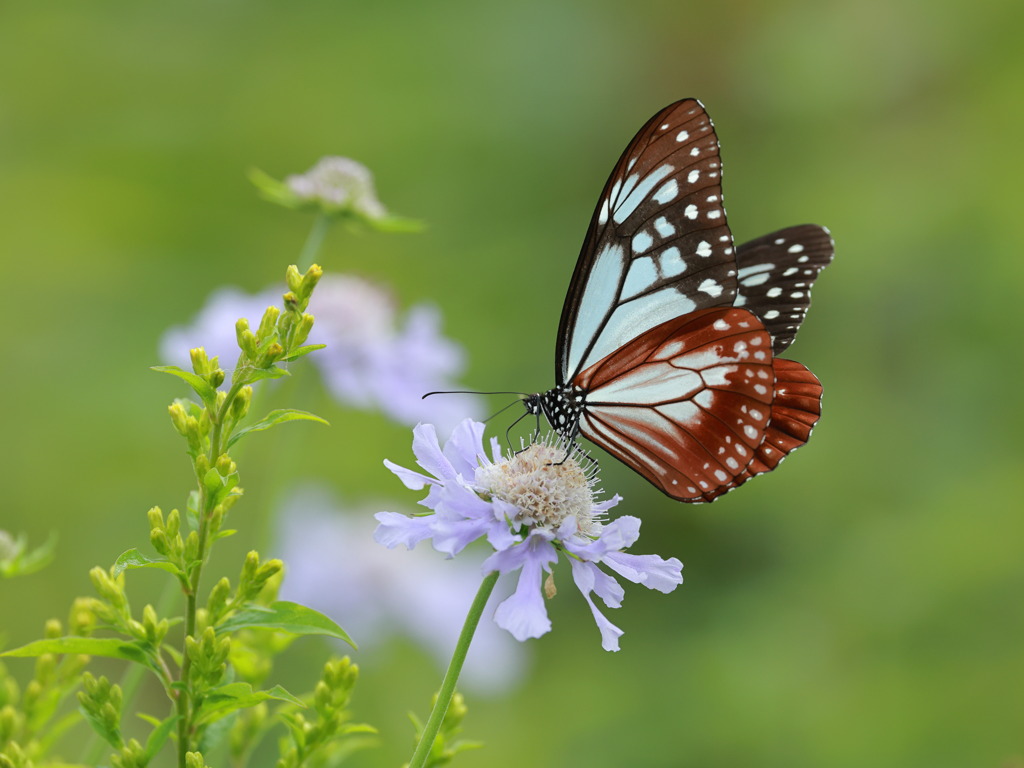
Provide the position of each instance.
(314, 240)
(451, 677)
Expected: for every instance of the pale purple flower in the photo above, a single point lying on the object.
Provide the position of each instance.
(376, 594)
(373, 358)
(529, 507)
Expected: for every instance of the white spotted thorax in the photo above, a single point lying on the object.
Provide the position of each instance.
(546, 484)
(339, 182)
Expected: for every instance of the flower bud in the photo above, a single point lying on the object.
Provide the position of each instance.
(225, 466)
(173, 523)
(156, 518)
(179, 418)
(240, 405)
(293, 278)
(200, 361)
(304, 327)
(219, 596)
(309, 281)
(192, 547)
(53, 629)
(268, 323)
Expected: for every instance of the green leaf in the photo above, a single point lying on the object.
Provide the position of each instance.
(132, 558)
(109, 647)
(158, 737)
(203, 388)
(22, 563)
(287, 617)
(234, 696)
(274, 418)
(273, 372)
(300, 351)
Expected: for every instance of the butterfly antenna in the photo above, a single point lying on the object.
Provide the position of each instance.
(469, 392)
(502, 410)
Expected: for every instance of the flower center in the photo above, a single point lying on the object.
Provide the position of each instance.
(546, 484)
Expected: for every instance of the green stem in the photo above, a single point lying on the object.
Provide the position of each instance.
(184, 701)
(314, 240)
(451, 677)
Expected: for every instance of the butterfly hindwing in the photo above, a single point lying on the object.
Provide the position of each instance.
(658, 245)
(687, 404)
(796, 408)
(775, 276)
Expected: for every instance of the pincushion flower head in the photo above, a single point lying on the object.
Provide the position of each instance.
(529, 507)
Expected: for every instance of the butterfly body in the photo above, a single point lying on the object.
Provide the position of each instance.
(667, 344)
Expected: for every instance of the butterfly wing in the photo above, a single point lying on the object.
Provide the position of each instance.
(686, 404)
(658, 245)
(775, 276)
(796, 408)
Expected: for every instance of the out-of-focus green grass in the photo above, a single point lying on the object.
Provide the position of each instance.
(861, 606)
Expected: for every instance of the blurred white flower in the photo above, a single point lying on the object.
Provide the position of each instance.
(338, 182)
(373, 358)
(374, 593)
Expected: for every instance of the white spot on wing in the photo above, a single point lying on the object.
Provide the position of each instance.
(690, 212)
(667, 193)
(642, 241)
(671, 262)
(664, 226)
(704, 249)
(711, 288)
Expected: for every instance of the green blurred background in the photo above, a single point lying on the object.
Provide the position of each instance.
(861, 606)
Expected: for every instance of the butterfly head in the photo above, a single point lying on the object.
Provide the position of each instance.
(561, 406)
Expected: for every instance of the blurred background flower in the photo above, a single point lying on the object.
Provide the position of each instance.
(373, 358)
(334, 565)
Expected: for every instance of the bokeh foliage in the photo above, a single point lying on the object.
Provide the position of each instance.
(862, 606)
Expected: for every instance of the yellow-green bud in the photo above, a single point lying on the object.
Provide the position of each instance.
(46, 665)
(179, 418)
(173, 523)
(310, 279)
(240, 405)
(305, 326)
(159, 541)
(202, 465)
(225, 466)
(156, 518)
(270, 355)
(106, 586)
(219, 596)
(216, 376)
(269, 322)
(293, 278)
(192, 547)
(53, 629)
(291, 302)
(200, 362)
(195, 760)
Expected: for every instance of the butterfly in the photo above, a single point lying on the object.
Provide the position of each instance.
(667, 344)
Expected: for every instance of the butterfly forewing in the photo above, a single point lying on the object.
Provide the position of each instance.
(775, 276)
(687, 404)
(658, 244)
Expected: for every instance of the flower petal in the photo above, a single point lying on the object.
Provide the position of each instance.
(523, 612)
(618, 534)
(396, 528)
(588, 577)
(650, 570)
(428, 452)
(411, 479)
(465, 446)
